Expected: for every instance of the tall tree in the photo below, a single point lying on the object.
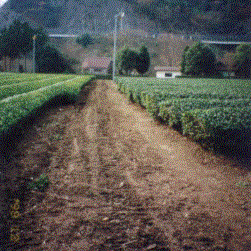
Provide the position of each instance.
(4, 38)
(50, 60)
(143, 63)
(26, 40)
(127, 60)
(16, 40)
(13, 50)
(243, 60)
(200, 60)
(85, 40)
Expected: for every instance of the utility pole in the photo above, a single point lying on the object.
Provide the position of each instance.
(121, 14)
(34, 51)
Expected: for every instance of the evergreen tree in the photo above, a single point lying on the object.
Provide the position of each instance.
(85, 40)
(127, 60)
(3, 44)
(143, 63)
(11, 40)
(50, 60)
(243, 60)
(200, 60)
(16, 40)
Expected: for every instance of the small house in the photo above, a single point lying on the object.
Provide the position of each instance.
(167, 72)
(96, 65)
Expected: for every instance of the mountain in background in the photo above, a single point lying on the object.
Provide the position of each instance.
(142, 18)
(222, 17)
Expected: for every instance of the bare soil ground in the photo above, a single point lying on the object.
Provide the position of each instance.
(121, 181)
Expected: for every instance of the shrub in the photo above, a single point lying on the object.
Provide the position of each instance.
(199, 60)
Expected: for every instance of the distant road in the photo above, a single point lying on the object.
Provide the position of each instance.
(62, 35)
(220, 42)
(203, 41)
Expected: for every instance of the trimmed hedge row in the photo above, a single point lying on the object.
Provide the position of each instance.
(19, 78)
(174, 109)
(213, 88)
(224, 125)
(15, 89)
(108, 77)
(15, 109)
(205, 111)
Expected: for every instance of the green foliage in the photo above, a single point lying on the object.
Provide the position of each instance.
(15, 78)
(18, 107)
(179, 106)
(127, 61)
(243, 60)
(218, 75)
(143, 63)
(204, 109)
(41, 184)
(152, 104)
(50, 60)
(164, 109)
(204, 124)
(16, 40)
(109, 77)
(200, 60)
(30, 85)
(85, 40)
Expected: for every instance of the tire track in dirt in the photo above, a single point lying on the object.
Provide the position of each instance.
(94, 208)
(191, 198)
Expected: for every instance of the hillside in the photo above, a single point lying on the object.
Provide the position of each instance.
(153, 16)
(73, 16)
(142, 19)
(164, 50)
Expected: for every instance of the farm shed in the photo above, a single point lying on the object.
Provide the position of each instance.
(167, 72)
(97, 65)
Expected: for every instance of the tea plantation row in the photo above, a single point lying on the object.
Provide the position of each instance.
(25, 95)
(212, 111)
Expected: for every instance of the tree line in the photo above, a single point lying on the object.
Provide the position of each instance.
(127, 60)
(16, 41)
(200, 60)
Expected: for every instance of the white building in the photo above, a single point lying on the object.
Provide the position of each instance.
(167, 72)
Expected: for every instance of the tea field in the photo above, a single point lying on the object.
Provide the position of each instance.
(21, 95)
(212, 111)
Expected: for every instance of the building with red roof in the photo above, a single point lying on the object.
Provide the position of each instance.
(96, 65)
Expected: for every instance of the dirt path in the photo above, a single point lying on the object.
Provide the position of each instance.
(120, 181)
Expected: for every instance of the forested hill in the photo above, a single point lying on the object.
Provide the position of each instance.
(223, 17)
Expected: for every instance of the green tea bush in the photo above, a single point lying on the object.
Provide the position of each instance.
(212, 106)
(17, 108)
(19, 88)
